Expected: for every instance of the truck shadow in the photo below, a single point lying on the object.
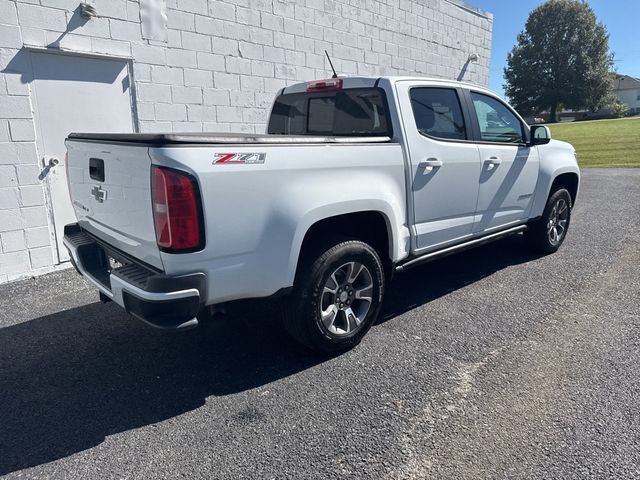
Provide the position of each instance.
(433, 280)
(69, 379)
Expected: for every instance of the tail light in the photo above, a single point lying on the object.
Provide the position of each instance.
(331, 85)
(177, 211)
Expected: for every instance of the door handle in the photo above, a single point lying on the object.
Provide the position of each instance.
(493, 160)
(429, 164)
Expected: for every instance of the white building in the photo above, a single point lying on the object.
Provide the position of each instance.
(185, 65)
(627, 90)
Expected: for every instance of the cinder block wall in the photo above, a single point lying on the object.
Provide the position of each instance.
(219, 70)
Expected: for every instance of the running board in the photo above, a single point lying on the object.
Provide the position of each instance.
(428, 257)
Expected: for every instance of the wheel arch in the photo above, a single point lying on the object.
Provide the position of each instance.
(567, 177)
(570, 181)
(372, 226)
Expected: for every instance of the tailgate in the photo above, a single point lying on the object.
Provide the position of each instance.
(110, 186)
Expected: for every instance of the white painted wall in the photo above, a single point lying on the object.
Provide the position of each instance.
(631, 98)
(627, 91)
(219, 69)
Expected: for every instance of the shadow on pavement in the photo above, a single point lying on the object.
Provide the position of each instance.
(69, 379)
(425, 283)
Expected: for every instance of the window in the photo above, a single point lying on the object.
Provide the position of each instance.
(497, 122)
(353, 111)
(438, 113)
(321, 115)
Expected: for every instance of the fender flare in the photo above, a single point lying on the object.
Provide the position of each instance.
(398, 239)
(543, 187)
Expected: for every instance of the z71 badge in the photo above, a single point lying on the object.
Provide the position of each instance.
(242, 158)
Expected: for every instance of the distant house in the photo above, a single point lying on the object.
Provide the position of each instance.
(627, 90)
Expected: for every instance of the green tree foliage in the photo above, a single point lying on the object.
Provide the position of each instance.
(562, 59)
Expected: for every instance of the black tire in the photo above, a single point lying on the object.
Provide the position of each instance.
(538, 236)
(302, 309)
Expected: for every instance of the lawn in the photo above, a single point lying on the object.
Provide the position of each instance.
(603, 143)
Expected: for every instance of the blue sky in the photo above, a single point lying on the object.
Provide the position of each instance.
(621, 17)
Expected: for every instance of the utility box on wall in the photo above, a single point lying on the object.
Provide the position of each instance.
(197, 65)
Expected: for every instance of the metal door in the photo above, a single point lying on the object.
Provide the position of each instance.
(73, 93)
(509, 166)
(444, 172)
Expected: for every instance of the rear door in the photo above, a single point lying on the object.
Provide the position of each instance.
(509, 166)
(445, 164)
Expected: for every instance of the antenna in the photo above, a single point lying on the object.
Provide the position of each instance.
(335, 75)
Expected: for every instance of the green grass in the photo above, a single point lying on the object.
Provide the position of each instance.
(602, 143)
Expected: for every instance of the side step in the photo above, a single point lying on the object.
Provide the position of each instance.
(476, 242)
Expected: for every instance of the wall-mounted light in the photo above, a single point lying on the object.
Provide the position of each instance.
(88, 11)
(473, 58)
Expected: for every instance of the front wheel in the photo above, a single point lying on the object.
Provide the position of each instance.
(547, 233)
(337, 296)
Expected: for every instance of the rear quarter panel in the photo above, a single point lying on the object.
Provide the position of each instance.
(256, 215)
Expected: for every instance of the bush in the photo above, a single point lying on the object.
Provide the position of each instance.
(618, 110)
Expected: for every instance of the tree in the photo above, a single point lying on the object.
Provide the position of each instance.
(562, 59)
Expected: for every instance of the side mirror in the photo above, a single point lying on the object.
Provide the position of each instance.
(540, 135)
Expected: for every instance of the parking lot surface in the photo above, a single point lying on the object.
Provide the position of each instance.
(494, 363)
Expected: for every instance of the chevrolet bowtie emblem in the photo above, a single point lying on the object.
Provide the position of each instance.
(99, 194)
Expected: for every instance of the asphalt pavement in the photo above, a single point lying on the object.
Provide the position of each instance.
(494, 363)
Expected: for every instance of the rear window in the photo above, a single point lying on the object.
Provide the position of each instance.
(438, 113)
(350, 112)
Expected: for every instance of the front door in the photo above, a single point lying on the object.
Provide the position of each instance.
(75, 94)
(445, 166)
(509, 166)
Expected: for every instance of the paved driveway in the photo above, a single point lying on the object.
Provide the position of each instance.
(494, 363)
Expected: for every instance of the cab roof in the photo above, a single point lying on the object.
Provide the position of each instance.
(370, 82)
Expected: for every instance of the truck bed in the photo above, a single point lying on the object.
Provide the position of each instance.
(219, 138)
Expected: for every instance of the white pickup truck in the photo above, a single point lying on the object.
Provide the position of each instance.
(356, 178)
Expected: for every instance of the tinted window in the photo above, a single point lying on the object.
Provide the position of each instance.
(438, 113)
(321, 115)
(497, 122)
(354, 111)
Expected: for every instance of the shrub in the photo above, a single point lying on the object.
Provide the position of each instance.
(618, 109)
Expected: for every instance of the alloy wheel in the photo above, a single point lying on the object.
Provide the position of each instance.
(346, 299)
(557, 223)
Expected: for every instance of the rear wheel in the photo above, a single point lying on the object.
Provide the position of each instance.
(337, 296)
(547, 234)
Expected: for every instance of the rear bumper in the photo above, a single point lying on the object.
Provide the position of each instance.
(163, 301)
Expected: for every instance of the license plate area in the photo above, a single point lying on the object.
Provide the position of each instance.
(102, 262)
(113, 260)
(94, 261)
(113, 263)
